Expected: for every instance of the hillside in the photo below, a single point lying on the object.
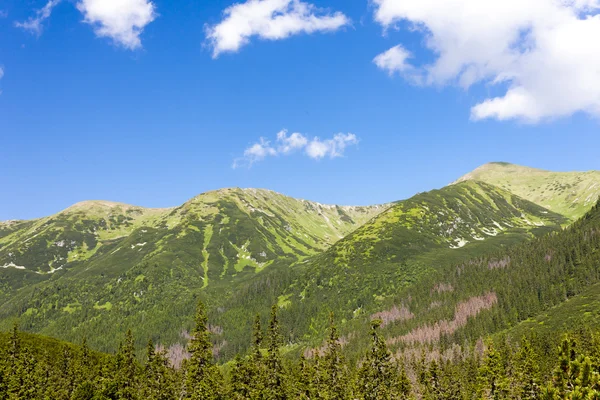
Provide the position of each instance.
(580, 311)
(99, 268)
(546, 286)
(363, 273)
(248, 227)
(95, 263)
(571, 194)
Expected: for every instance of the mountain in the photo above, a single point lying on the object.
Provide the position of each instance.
(546, 287)
(99, 268)
(571, 194)
(363, 273)
(249, 227)
(69, 274)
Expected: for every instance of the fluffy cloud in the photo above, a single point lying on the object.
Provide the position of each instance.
(287, 144)
(120, 20)
(393, 60)
(271, 20)
(543, 55)
(35, 24)
(331, 148)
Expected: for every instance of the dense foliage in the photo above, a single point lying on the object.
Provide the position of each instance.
(34, 367)
(240, 252)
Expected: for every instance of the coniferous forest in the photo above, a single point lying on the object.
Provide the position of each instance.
(518, 322)
(34, 367)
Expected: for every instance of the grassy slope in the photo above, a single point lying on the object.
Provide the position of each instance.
(97, 268)
(88, 229)
(242, 251)
(568, 193)
(366, 271)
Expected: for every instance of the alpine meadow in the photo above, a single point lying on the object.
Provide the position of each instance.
(298, 199)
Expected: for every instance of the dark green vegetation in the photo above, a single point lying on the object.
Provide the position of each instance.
(443, 268)
(34, 367)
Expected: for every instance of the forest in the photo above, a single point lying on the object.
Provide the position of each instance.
(519, 322)
(35, 367)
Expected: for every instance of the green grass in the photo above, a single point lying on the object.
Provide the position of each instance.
(571, 194)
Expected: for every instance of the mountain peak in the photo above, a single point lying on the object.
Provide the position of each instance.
(571, 194)
(498, 169)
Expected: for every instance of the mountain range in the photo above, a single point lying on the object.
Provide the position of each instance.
(99, 268)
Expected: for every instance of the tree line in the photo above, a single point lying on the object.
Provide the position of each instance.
(30, 369)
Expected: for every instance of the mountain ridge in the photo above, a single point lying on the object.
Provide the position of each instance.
(569, 193)
(100, 266)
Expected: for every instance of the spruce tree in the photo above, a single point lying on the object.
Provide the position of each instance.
(158, 381)
(256, 368)
(492, 381)
(84, 385)
(203, 380)
(335, 383)
(275, 381)
(404, 384)
(305, 384)
(378, 377)
(527, 372)
(240, 382)
(127, 374)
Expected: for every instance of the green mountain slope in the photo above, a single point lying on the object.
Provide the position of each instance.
(365, 271)
(548, 284)
(579, 311)
(571, 194)
(99, 266)
(250, 227)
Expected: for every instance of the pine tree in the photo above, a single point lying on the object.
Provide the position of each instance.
(275, 388)
(404, 384)
(305, 383)
(378, 377)
(492, 381)
(240, 382)
(527, 372)
(84, 385)
(574, 377)
(203, 379)
(335, 381)
(158, 381)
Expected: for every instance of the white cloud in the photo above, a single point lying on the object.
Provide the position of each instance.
(331, 148)
(271, 20)
(35, 24)
(256, 152)
(543, 54)
(120, 20)
(287, 144)
(1, 72)
(393, 60)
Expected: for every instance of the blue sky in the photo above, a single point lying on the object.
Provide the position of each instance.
(86, 115)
